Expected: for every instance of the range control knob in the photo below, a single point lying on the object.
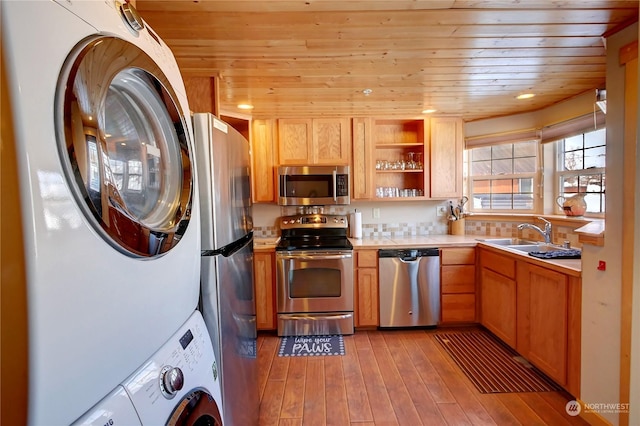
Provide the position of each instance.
(171, 381)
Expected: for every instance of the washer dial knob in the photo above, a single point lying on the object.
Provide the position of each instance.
(171, 381)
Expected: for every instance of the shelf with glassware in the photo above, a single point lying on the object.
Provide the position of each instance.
(400, 171)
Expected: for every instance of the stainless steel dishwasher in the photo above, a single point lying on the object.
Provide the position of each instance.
(409, 282)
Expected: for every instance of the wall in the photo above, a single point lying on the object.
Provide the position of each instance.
(634, 414)
(601, 301)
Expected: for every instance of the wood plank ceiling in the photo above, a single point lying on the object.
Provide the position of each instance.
(471, 58)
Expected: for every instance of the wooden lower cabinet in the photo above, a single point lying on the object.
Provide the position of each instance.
(457, 285)
(499, 305)
(549, 323)
(264, 279)
(366, 288)
(537, 311)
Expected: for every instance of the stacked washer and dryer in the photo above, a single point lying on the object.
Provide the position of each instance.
(111, 231)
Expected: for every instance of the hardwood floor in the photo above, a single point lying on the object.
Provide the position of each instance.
(399, 377)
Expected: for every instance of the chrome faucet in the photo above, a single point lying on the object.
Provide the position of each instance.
(547, 229)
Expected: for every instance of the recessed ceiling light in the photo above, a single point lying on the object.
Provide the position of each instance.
(429, 110)
(525, 96)
(245, 106)
(367, 92)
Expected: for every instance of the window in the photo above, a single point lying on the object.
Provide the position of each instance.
(581, 168)
(504, 177)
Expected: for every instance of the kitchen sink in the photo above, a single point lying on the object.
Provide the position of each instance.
(527, 248)
(506, 241)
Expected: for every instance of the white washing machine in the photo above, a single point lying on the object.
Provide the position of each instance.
(106, 182)
(178, 385)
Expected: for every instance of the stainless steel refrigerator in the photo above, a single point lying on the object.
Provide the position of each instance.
(227, 296)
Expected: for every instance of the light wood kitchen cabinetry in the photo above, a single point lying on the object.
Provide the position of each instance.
(263, 170)
(366, 288)
(400, 159)
(264, 279)
(498, 293)
(549, 323)
(363, 163)
(458, 285)
(537, 311)
(446, 145)
(321, 141)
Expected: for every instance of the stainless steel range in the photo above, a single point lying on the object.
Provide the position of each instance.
(314, 276)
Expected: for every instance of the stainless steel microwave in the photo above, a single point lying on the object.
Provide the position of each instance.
(313, 185)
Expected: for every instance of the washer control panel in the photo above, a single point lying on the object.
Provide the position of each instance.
(181, 365)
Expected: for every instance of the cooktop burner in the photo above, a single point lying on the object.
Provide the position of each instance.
(302, 243)
(314, 232)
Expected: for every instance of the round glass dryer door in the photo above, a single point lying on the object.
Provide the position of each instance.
(125, 146)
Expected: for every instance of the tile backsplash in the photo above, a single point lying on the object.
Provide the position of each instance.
(266, 225)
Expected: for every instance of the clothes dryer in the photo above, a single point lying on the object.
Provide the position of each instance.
(106, 181)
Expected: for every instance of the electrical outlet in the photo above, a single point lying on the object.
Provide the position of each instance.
(441, 210)
(376, 213)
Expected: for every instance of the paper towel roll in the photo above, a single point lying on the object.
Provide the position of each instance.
(356, 224)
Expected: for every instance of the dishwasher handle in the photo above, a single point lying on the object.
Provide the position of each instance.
(409, 254)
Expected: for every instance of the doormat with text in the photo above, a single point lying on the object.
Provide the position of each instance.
(311, 345)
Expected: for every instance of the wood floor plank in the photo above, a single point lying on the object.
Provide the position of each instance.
(279, 366)
(335, 392)
(357, 398)
(558, 400)
(520, 410)
(399, 377)
(403, 407)
(293, 398)
(420, 395)
(314, 394)
(290, 422)
(437, 388)
(361, 340)
(271, 403)
(267, 349)
(459, 385)
(497, 410)
(381, 407)
(548, 414)
(453, 414)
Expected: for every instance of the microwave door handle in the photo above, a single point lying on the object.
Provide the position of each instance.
(335, 185)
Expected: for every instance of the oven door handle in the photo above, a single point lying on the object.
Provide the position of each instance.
(315, 256)
(321, 316)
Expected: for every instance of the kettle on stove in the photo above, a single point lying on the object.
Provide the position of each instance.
(573, 206)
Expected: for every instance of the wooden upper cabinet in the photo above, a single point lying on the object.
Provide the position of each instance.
(331, 141)
(263, 171)
(294, 141)
(446, 157)
(363, 163)
(323, 141)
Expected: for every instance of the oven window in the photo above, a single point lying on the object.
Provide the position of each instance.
(315, 282)
(307, 186)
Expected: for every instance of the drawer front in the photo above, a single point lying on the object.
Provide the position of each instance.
(503, 265)
(458, 279)
(458, 308)
(458, 256)
(367, 258)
